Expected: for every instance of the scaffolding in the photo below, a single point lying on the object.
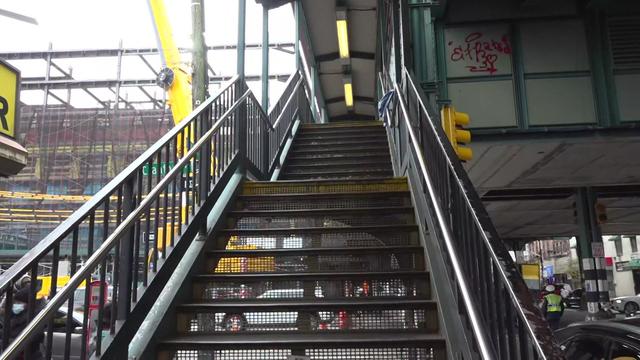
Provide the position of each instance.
(84, 130)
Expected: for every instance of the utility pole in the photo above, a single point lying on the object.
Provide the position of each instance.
(200, 79)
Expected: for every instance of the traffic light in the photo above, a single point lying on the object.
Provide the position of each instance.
(601, 213)
(453, 122)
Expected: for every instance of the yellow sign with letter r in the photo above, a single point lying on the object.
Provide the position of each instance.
(9, 80)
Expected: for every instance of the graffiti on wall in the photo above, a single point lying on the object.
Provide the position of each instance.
(480, 53)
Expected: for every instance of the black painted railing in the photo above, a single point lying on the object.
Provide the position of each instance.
(489, 297)
(135, 228)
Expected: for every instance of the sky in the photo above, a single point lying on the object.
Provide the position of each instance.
(92, 24)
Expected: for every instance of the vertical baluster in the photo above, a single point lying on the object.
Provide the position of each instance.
(32, 304)
(6, 318)
(166, 205)
(157, 224)
(87, 289)
(116, 268)
(52, 293)
(72, 271)
(101, 305)
(137, 238)
(174, 188)
(147, 215)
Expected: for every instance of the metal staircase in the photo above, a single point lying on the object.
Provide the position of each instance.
(342, 150)
(208, 259)
(317, 267)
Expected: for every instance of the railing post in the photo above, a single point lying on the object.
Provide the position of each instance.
(205, 161)
(125, 273)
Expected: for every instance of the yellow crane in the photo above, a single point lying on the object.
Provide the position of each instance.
(173, 77)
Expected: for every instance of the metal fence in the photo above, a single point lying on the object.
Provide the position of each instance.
(144, 217)
(498, 316)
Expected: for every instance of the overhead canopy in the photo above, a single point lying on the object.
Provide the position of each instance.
(323, 42)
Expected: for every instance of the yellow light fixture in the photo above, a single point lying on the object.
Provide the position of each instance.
(343, 38)
(348, 94)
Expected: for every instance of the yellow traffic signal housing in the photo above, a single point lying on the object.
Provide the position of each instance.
(453, 123)
(601, 213)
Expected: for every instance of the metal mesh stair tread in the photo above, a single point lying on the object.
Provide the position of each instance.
(389, 303)
(332, 156)
(325, 195)
(300, 144)
(337, 137)
(333, 229)
(330, 211)
(375, 181)
(337, 172)
(350, 275)
(312, 165)
(318, 251)
(376, 338)
(381, 148)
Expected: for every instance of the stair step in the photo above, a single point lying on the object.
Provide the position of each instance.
(329, 158)
(340, 137)
(364, 173)
(368, 150)
(301, 304)
(357, 341)
(315, 251)
(409, 284)
(319, 212)
(304, 315)
(327, 195)
(317, 276)
(335, 145)
(342, 129)
(323, 230)
(313, 165)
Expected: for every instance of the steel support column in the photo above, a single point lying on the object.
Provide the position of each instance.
(265, 58)
(296, 46)
(200, 77)
(242, 18)
(591, 254)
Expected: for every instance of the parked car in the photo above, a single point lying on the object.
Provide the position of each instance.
(60, 335)
(606, 339)
(626, 304)
(574, 300)
(273, 319)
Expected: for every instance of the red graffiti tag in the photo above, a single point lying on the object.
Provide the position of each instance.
(482, 53)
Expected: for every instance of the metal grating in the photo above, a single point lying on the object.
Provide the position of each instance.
(245, 354)
(251, 263)
(624, 35)
(398, 184)
(291, 222)
(327, 289)
(325, 203)
(392, 353)
(310, 321)
(335, 240)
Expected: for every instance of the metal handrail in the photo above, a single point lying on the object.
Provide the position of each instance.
(95, 260)
(479, 331)
(534, 329)
(217, 148)
(456, 167)
(78, 216)
(286, 104)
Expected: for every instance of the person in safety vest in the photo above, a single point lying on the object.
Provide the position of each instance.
(552, 307)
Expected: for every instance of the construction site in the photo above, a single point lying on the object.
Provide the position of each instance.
(84, 131)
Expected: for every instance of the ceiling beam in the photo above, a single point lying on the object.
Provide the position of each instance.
(65, 54)
(355, 99)
(353, 54)
(37, 84)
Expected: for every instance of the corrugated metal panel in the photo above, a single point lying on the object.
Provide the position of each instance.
(624, 34)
